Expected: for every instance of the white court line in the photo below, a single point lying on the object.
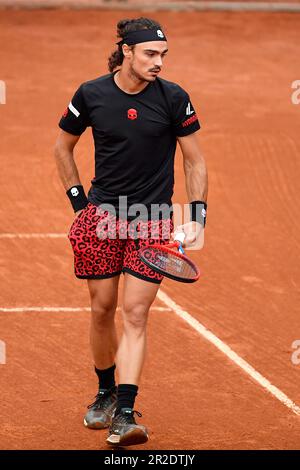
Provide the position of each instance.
(282, 397)
(33, 235)
(63, 309)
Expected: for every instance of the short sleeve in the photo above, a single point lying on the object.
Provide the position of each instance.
(75, 118)
(184, 117)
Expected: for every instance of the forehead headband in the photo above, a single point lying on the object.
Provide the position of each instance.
(142, 35)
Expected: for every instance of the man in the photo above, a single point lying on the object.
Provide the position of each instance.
(136, 119)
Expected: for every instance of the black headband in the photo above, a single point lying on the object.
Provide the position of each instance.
(142, 35)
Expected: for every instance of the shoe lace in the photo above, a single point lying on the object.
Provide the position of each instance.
(128, 418)
(101, 402)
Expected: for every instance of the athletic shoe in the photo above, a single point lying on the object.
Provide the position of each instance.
(100, 412)
(124, 431)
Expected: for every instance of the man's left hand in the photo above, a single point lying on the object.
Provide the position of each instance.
(194, 234)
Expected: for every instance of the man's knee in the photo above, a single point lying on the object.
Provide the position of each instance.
(102, 313)
(135, 316)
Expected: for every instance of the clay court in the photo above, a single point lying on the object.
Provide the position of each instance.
(219, 372)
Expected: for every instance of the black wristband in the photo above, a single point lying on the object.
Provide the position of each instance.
(198, 212)
(77, 197)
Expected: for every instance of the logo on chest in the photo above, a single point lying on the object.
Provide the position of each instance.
(132, 114)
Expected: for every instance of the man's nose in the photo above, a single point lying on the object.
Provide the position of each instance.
(158, 62)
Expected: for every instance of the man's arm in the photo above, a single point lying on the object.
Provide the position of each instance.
(196, 179)
(64, 156)
(196, 182)
(63, 152)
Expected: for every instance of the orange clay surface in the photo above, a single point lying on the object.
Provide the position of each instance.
(238, 69)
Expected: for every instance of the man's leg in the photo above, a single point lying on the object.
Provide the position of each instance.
(103, 341)
(138, 296)
(103, 337)
(98, 257)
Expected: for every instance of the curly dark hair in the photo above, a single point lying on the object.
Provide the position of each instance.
(123, 27)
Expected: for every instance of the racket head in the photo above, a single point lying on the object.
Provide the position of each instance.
(170, 263)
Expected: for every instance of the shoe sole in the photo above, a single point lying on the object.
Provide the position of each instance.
(131, 438)
(96, 425)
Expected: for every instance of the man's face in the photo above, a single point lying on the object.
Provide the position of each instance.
(146, 60)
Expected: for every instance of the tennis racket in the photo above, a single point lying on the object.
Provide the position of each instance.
(170, 263)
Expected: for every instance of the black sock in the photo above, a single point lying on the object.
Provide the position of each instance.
(125, 396)
(106, 377)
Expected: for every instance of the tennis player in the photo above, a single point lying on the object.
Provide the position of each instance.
(136, 119)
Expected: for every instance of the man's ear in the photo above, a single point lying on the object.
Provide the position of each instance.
(126, 50)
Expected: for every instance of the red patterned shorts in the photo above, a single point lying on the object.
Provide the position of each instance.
(105, 246)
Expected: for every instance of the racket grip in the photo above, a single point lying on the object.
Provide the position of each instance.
(179, 237)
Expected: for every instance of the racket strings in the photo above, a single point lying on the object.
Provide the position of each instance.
(170, 263)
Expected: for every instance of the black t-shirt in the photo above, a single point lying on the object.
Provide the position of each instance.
(134, 138)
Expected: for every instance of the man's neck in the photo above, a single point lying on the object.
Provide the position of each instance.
(128, 84)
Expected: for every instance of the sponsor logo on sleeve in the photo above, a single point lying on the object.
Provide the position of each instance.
(73, 109)
(190, 121)
(189, 111)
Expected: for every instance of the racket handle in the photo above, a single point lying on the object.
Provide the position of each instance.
(180, 249)
(179, 237)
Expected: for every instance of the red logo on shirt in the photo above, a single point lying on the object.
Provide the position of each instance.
(132, 114)
(66, 112)
(189, 121)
